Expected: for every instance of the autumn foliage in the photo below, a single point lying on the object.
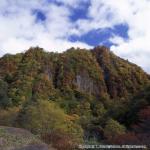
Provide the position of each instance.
(77, 96)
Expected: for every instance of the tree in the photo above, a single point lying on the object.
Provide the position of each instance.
(140, 133)
(113, 128)
(44, 117)
(8, 116)
(59, 140)
(126, 139)
(144, 121)
(4, 100)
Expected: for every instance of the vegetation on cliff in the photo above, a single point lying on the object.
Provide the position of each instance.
(83, 95)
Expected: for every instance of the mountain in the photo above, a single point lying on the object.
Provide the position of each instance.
(93, 88)
(97, 72)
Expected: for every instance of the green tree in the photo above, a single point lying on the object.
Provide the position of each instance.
(8, 116)
(113, 128)
(44, 117)
(4, 100)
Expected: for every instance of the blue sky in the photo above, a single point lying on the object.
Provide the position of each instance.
(57, 25)
(101, 36)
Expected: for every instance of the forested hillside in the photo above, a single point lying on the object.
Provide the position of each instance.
(78, 96)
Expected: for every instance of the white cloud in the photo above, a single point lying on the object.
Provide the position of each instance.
(137, 48)
(19, 29)
(135, 14)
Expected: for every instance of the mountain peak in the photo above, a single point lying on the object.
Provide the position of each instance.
(101, 50)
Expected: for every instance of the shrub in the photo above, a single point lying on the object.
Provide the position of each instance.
(8, 117)
(59, 140)
(113, 128)
(4, 100)
(45, 117)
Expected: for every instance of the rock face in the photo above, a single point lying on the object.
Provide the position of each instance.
(19, 139)
(35, 147)
(84, 83)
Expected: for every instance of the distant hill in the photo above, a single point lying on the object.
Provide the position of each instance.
(95, 85)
